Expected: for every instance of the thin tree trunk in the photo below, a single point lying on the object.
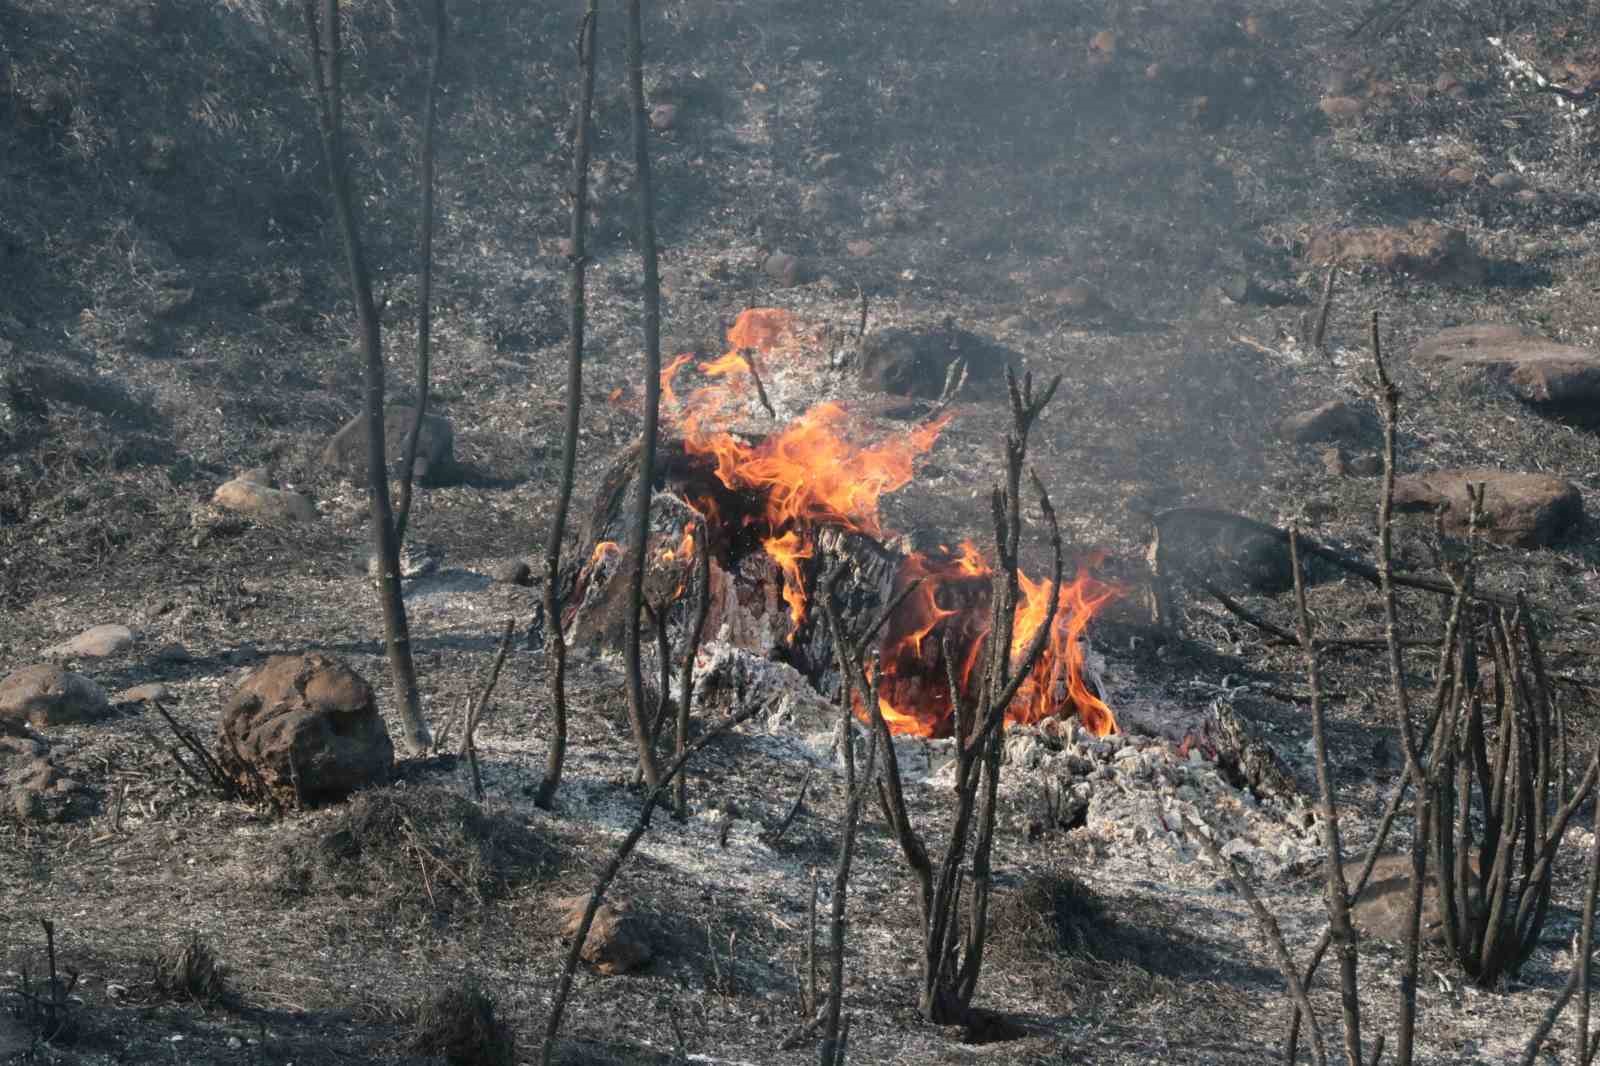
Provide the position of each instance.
(577, 310)
(425, 279)
(1335, 888)
(639, 533)
(326, 69)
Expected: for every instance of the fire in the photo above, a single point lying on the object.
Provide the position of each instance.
(822, 470)
(604, 552)
(811, 474)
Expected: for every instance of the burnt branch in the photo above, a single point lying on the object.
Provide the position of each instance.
(326, 63)
(577, 311)
(1274, 934)
(469, 738)
(749, 357)
(1336, 891)
(652, 799)
(639, 528)
(692, 639)
(430, 113)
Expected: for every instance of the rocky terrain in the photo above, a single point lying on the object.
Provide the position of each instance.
(1146, 200)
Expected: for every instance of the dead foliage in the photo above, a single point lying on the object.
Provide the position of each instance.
(459, 1023)
(417, 850)
(190, 973)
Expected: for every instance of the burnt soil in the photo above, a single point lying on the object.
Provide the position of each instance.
(169, 291)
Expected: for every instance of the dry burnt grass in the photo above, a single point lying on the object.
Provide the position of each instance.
(172, 314)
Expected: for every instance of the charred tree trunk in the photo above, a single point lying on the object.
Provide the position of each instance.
(569, 447)
(639, 531)
(430, 116)
(326, 64)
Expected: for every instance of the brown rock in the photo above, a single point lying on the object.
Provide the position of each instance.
(783, 268)
(1382, 911)
(1334, 420)
(1539, 370)
(1078, 298)
(617, 940)
(308, 717)
(40, 792)
(860, 249)
(96, 642)
(663, 116)
(1334, 461)
(150, 692)
(1507, 181)
(262, 503)
(1460, 176)
(1368, 465)
(1425, 249)
(346, 453)
(1524, 510)
(1341, 109)
(46, 695)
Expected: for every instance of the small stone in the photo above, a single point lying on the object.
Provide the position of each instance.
(151, 692)
(513, 572)
(783, 268)
(860, 249)
(663, 117)
(1077, 298)
(1334, 461)
(93, 643)
(263, 503)
(1507, 181)
(1341, 109)
(1369, 464)
(1460, 176)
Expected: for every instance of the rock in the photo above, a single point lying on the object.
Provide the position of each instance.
(46, 695)
(1334, 420)
(663, 117)
(860, 249)
(1081, 298)
(784, 268)
(1341, 109)
(1383, 907)
(1451, 86)
(1507, 181)
(346, 453)
(1424, 249)
(264, 504)
(1539, 370)
(1334, 461)
(915, 361)
(40, 792)
(1369, 464)
(308, 717)
(19, 744)
(260, 475)
(151, 692)
(1460, 176)
(1523, 510)
(513, 572)
(96, 642)
(617, 940)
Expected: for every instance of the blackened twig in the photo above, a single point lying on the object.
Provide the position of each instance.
(469, 742)
(749, 357)
(771, 837)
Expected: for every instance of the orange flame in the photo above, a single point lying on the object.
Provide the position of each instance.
(821, 471)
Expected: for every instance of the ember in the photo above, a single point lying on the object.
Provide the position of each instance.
(824, 471)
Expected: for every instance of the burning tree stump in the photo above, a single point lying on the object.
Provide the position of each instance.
(762, 600)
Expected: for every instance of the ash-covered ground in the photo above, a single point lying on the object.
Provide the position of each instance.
(1142, 199)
